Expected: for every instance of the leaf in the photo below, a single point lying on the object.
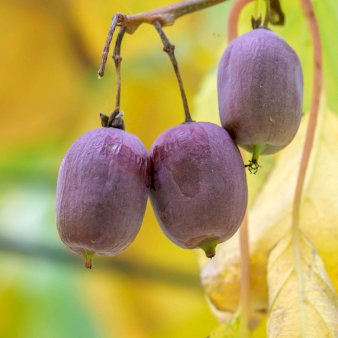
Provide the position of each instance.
(271, 191)
(228, 330)
(231, 329)
(270, 217)
(302, 300)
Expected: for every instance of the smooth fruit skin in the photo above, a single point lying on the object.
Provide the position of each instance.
(260, 91)
(199, 189)
(102, 191)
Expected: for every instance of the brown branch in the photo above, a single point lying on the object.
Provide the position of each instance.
(314, 111)
(117, 18)
(165, 16)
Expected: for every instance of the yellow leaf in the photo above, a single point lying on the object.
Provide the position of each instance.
(231, 329)
(228, 330)
(270, 217)
(302, 300)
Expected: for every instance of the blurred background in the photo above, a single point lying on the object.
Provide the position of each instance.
(49, 96)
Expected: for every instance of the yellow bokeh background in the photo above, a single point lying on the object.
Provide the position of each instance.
(50, 95)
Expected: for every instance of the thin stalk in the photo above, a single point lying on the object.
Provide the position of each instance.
(117, 18)
(169, 49)
(314, 111)
(234, 17)
(245, 288)
(118, 59)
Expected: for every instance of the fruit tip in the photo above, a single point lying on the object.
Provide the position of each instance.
(209, 247)
(210, 253)
(88, 255)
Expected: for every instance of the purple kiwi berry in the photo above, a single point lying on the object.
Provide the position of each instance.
(199, 189)
(260, 92)
(102, 192)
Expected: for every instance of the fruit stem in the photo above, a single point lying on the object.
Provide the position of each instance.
(117, 18)
(209, 247)
(257, 149)
(314, 111)
(169, 49)
(88, 256)
(253, 165)
(115, 119)
(118, 59)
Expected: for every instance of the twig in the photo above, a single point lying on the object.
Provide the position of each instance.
(115, 119)
(117, 18)
(169, 49)
(165, 16)
(314, 111)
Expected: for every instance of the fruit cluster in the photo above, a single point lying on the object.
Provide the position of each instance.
(194, 171)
